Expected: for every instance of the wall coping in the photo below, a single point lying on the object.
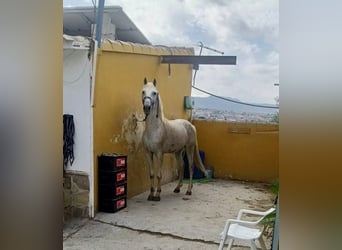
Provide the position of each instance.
(75, 172)
(136, 48)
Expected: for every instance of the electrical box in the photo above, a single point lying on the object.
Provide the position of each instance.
(189, 102)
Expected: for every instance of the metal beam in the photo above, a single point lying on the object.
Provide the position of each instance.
(99, 22)
(196, 60)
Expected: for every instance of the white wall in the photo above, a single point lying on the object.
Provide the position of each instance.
(76, 101)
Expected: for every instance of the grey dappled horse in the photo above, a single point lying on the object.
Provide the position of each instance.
(167, 136)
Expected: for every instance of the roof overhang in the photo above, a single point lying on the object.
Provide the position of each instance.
(78, 21)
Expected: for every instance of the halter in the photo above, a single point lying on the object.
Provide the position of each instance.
(152, 104)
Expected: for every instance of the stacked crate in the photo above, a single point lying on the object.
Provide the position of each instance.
(112, 179)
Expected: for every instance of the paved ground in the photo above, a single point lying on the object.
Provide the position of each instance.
(176, 222)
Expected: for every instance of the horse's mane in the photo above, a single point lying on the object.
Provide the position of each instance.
(161, 108)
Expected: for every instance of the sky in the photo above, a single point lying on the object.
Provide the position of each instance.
(247, 29)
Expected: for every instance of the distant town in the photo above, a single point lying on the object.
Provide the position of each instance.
(232, 116)
(210, 108)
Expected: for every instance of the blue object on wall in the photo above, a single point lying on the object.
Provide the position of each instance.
(188, 102)
(197, 172)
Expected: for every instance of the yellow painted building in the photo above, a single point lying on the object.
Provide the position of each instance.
(111, 121)
(237, 151)
(102, 91)
(121, 68)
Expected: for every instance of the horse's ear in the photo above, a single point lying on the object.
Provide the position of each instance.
(145, 80)
(154, 82)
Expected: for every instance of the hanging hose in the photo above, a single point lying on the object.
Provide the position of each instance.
(68, 139)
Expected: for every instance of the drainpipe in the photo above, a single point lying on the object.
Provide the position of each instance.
(93, 74)
(99, 22)
(91, 149)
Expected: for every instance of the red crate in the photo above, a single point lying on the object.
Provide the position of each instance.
(120, 190)
(112, 192)
(121, 176)
(112, 162)
(112, 182)
(112, 178)
(121, 162)
(112, 205)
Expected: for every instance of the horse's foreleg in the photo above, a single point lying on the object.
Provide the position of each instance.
(190, 155)
(156, 197)
(149, 157)
(180, 164)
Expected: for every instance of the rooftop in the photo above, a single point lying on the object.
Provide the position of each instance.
(79, 21)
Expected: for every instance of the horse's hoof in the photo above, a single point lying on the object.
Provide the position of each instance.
(177, 190)
(150, 198)
(188, 193)
(156, 198)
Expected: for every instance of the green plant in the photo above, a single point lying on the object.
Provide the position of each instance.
(275, 118)
(275, 186)
(269, 220)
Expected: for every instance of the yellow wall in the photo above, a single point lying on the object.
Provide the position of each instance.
(240, 151)
(121, 68)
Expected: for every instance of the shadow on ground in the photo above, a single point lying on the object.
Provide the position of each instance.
(178, 221)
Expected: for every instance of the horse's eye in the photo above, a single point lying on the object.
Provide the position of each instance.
(143, 93)
(154, 93)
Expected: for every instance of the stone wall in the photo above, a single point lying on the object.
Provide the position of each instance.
(76, 194)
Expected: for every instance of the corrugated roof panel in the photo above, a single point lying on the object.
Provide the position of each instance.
(77, 21)
(75, 42)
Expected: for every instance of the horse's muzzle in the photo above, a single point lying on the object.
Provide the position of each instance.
(147, 109)
(147, 104)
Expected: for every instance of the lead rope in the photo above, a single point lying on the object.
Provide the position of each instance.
(157, 103)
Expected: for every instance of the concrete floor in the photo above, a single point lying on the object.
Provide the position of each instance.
(176, 222)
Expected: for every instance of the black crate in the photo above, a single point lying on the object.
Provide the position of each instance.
(112, 162)
(112, 192)
(112, 178)
(112, 205)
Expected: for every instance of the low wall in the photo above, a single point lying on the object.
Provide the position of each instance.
(240, 150)
(76, 194)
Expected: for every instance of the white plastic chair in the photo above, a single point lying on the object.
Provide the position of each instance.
(243, 230)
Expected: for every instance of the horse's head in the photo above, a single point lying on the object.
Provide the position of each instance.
(150, 96)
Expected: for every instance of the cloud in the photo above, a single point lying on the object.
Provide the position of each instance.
(247, 29)
(163, 22)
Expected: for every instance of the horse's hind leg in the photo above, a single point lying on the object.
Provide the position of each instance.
(180, 164)
(190, 155)
(149, 157)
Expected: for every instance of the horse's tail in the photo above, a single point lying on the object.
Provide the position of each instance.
(198, 160)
